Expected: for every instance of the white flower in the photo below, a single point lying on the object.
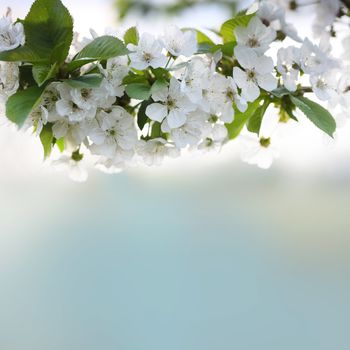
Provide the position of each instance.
(74, 133)
(147, 53)
(114, 73)
(323, 86)
(220, 96)
(191, 132)
(326, 13)
(274, 16)
(76, 105)
(74, 165)
(11, 35)
(258, 151)
(257, 73)
(288, 61)
(195, 78)
(9, 79)
(171, 105)
(255, 36)
(314, 59)
(154, 151)
(178, 42)
(121, 160)
(38, 118)
(112, 130)
(343, 89)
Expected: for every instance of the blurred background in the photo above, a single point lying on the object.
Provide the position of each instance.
(202, 253)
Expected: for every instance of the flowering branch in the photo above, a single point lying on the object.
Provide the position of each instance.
(144, 98)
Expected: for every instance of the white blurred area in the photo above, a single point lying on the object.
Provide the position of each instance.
(302, 146)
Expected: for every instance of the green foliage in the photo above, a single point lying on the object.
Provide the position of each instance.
(138, 91)
(61, 144)
(85, 81)
(228, 28)
(156, 130)
(43, 73)
(316, 114)
(131, 36)
(47, 139)
(142, 118)
(19, 105)
(48, 30)
(240, 119)
(159, 84)
(100, 49)
(254, 122)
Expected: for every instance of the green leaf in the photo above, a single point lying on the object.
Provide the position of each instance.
(22, 54)
(159, 84)
(142, 118)
(138, 91)
(46, 138)
(201, 37)
(85, 81)
(240, 119)
(61, 144)
(228, 28)
(254, 122)
(43, 73)
(48, 30)
(156, 130)
(100, 49)
(131, 36)
(19, 105)
(288, 107)
(316, 113)
(132, 78)
(26, 77)
(280, 92)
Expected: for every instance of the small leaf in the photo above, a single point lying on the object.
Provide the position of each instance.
(138, 91)
(288, 107)
(61, 144)
(43, 73)
(85, 81)
(254, 122)
(48, 30)
(46, 138)
(131, 36)
(240, 119)
(132, 78)
(280, 92)
(156, 130)
(100, 49)
(316, 114)
(19, 105)
(142, 118)
(201, 37)
(228, 28)
(158, 85)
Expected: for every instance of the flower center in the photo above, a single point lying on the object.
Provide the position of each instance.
(85, 93)
(251, 74)
(147, 57)
(170, 103)
(111, 132)
(253, 42)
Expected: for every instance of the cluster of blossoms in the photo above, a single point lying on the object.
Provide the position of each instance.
(150, 97)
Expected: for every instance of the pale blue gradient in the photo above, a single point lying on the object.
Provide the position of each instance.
(185, 262)
(199, 256)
